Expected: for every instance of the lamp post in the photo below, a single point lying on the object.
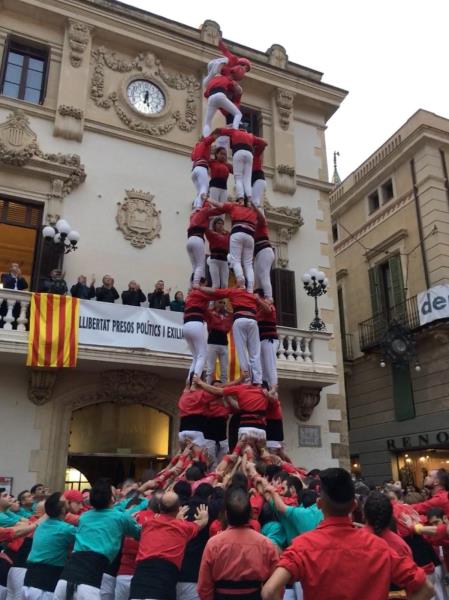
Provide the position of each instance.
(315, 284)
(64, 237)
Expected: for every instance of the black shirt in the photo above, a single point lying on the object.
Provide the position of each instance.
(104, 294)
(84, 292)
(133, 297)
(159, 300)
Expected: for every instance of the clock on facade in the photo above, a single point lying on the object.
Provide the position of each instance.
(145, 97)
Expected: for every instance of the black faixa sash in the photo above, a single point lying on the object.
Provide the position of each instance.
(155, 578)
(84, 568)
(42, 576)
(223, 585)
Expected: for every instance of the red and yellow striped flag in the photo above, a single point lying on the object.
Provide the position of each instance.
(233, 363)
(53, 337)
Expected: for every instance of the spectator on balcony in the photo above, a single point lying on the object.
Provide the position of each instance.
(159, 298)
(83, 291)
(133, 296)
(55, 284)
(13, 280)
(177, 305)
(107, 292)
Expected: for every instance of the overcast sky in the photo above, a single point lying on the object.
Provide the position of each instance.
(391, 55)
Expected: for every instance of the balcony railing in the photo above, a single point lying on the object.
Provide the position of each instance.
(302, 355)
(372, 331)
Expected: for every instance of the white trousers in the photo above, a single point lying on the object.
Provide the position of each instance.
(200, 178)
(247, 345)
(436, 579)
(262, 269)
(219, 272)
(242, 163)
(122, 587)
(195, 335)
(215, 102)
(3, 592)
(258, 191)
(215, 351)
(241, 250)
(218, 194)
(196, 437)
(82, 592)
(196, 250)
(32, 593)
(107, 590)
(268, 358)
(186, 591)
(14, 585)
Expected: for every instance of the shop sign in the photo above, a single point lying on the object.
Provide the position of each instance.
(419, 440)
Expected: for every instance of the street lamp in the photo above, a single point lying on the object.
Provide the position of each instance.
(64, 237)
(315, 284)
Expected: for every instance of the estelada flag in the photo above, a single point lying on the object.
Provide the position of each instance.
(53, 337)
(233, 363)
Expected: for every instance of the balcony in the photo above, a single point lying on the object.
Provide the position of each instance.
(302, 355)
(372, 331)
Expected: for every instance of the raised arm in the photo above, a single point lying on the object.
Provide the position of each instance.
(232, 58)
(216, 391)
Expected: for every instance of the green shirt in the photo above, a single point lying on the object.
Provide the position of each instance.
(52, 541)
(25, 513)
(102, 531)
(9, 519)
(141, 505)
(274, 531)
(297, 520)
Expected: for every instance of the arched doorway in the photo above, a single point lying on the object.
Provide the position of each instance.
(118, 441)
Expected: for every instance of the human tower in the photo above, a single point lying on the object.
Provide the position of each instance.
(218, 416)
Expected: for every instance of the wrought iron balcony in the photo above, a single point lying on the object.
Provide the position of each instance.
(372, 331)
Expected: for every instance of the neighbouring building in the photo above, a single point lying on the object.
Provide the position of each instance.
(74, 144)
(390, 227)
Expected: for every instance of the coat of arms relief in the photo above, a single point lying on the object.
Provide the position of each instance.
(138, 218)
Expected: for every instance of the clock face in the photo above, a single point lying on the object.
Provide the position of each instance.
(145, 97)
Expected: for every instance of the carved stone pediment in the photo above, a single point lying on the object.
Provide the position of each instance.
(285, 221)
(210, 32)
(19, 147)
(138, 218)
(305, 399)
(112, 94)
(40, 385)
(277, 56)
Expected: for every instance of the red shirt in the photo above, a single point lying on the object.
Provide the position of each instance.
(201, 151)
(261, 228)
(274, 410)
(361, 563)
(218, 242)
(220, 81)
(395, 542)
(242, 301)
(218, 322)
(193, 402)
(239, 214)
(165, 536)
(199, 219)
(400, 509)
(440, 499)
(267, 323)
(251, 398)
(258, 157)
(219, 169)
(197, 302)
(6, 534)
(128, 559)
(242, 137)
(217, 527)
(216, 409)
(237, 554)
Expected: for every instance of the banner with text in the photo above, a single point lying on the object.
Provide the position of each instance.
(433, 304)
(120, 326)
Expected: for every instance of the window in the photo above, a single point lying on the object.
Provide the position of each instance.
(387, 287)
(284, 295)
(404, 406)
(335, 232)
(373, 202)
(24, 72)
(253, 119)
(387, 191)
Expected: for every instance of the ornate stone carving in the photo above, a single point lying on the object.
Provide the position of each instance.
(284, 103)
(284, 179)
(18, 142)
(277, 56)
(144, 65)
(18, 147)
(286, 170)
(70, 111)
(78, 39)
(138, 218)
(285, 221)
(304, 401)
(210, 32)
(40, 385)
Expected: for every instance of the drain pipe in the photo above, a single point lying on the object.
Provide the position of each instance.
(419, 220)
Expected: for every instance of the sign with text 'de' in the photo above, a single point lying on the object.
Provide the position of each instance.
(433, 304)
